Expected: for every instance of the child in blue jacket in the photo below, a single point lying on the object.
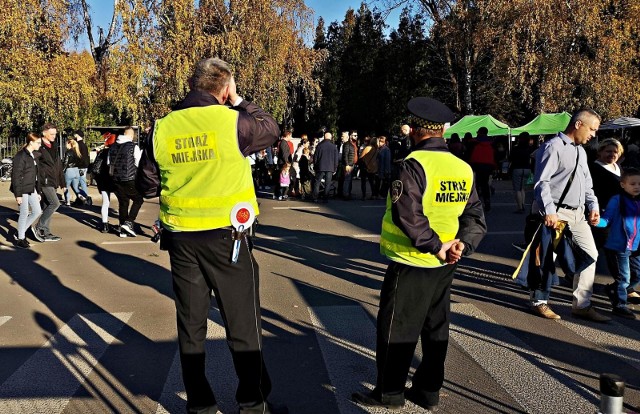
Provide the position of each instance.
(622, 215)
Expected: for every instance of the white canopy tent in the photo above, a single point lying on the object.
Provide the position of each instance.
(621, 123)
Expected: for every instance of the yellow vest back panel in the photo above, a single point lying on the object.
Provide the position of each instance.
(449, 182)
(203, 173)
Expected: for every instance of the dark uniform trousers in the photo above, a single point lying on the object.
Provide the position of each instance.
(414, 303)
(201, 262)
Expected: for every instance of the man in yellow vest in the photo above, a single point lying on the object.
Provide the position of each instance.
(195, 161)
(433, 218)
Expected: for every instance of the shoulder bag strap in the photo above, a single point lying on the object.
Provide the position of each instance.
(573, 174)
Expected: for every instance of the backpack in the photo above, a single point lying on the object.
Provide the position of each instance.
(99, 163)
(96, 166)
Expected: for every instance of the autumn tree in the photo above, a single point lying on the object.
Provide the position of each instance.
(262, 40)
(39, 80)
(561, 55)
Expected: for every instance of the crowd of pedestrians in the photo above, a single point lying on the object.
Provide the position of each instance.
(319, 169)
(39, 171)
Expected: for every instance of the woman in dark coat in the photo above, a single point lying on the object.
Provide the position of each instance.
(25, 186)
(605, 173)
(104, 181)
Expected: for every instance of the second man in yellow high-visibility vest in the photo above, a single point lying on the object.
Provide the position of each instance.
(433, 218)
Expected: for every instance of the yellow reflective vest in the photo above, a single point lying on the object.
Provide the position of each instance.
(449, 182)
(203, 173)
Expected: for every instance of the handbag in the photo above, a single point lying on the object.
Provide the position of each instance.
(529, 180)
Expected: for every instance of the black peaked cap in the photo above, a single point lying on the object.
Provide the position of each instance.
(430, 109)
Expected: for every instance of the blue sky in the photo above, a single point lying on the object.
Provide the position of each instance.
(330, 10)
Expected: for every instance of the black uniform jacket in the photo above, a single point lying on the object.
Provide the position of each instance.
(257, 130)
(408, 214)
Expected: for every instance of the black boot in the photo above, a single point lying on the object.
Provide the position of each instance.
(376, 399)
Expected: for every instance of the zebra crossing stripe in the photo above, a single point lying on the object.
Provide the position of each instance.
(615, 338)
(46, 382)
(527, 376)
(347, 339)
(220, 373)
(4, 319)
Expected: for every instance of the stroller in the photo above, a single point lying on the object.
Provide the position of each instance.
(5, 169)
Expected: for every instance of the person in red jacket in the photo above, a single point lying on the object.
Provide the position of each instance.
(483, 162)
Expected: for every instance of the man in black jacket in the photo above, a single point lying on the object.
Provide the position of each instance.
(325, 161)
(348, 159)
(50, 177)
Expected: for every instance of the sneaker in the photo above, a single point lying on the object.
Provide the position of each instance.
(37, 234)
(544, 311)
(122, 233)
(128, 228)
(22, 243)
(279, 198)
(89, 201)
(52, 238)
(589, 314)
(105, 228)
(623, 312)
(633, 297)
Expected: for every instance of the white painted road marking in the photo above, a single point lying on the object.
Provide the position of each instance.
(514, 365)
(48, 380)
(220, 372)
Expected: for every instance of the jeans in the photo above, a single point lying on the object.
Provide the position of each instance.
(583, 282)
(72, 179)
(83, 180)
(346, 186)
(625, 270)
(104, 209)
(327, 175)
(483, 176)
(26, 219)
(50, 199)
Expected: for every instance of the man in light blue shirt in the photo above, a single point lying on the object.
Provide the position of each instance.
(556, 161)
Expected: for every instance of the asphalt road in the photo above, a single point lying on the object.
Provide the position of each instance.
(87, 324)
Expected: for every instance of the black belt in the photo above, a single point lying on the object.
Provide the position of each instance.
(566, 207)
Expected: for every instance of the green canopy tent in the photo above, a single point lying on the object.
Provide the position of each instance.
(471, 123)
(545, 124)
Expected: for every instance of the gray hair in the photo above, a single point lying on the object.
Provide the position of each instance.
(583, 115)
(211, 75)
